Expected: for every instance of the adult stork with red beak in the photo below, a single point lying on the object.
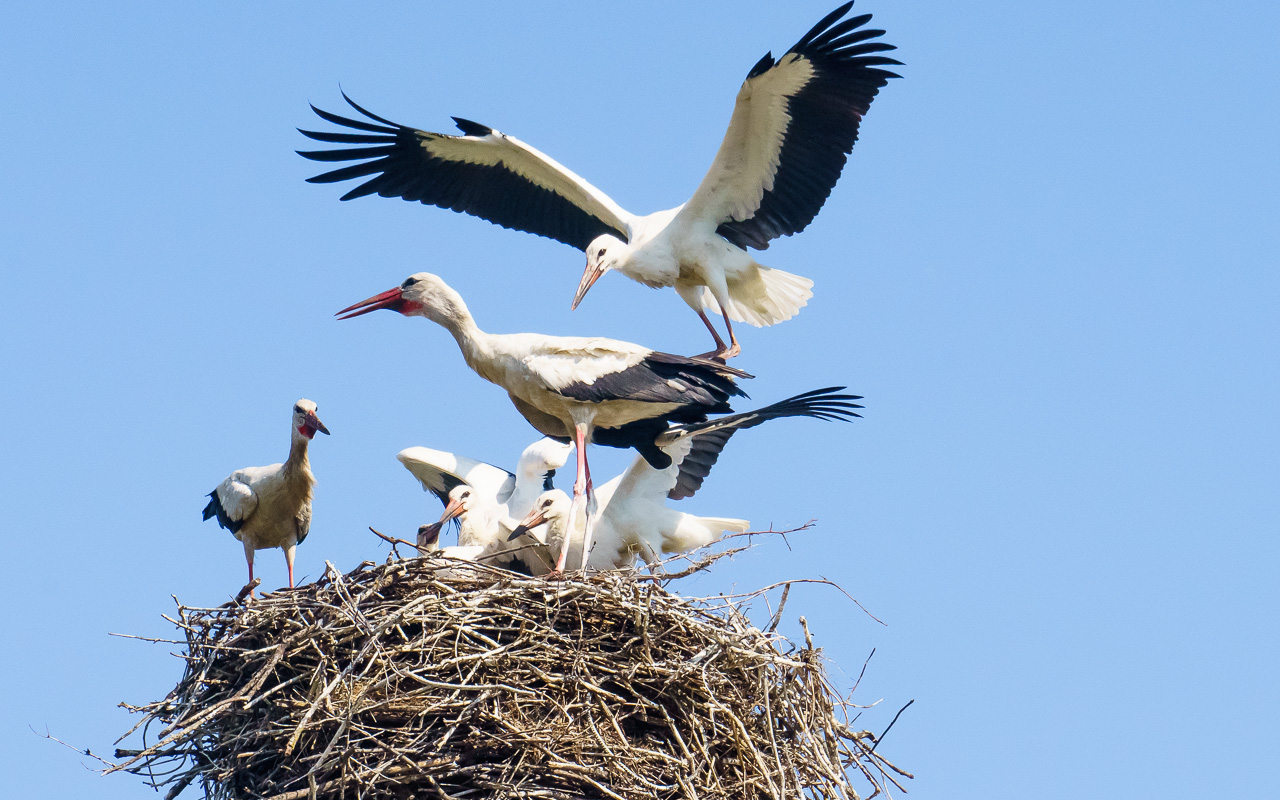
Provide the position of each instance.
(584, 388)
(270, 506)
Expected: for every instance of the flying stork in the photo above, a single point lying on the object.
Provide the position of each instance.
(615, 393)
(267, 507)
(634, 518)
(794, 124)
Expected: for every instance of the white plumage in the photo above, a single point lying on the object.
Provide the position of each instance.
(794, 122)
(615, 393)
(633, 517)
(271, 506)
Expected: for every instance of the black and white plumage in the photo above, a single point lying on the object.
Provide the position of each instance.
(569, 386)
(794, 123)
(270, 506)
(634, 519)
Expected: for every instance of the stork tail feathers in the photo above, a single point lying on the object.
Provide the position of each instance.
(694, 532)
(768, 297)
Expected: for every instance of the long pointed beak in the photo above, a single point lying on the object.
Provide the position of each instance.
(453, 509)
(589, 277)
(313, 422)
(392, 299)
(532, 520)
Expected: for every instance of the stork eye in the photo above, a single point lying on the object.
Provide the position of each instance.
(408, 282)
(297, 409)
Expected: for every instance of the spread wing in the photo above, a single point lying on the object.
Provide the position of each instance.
(707, 439)
(793, 126)
(654, 485)
(483, 172)
(439, 472)
(233, 502)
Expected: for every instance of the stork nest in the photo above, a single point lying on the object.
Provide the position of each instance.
(394, 682)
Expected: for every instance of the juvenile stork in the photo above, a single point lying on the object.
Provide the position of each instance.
(634, 519)
(486, 500)
(267, 507)
(622, 394)
(496, 493)
(794, 124)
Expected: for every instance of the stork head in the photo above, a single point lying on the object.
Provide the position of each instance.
(459, 503)
(305, 421)
(422, 294)
(605, 252)
(550, 507)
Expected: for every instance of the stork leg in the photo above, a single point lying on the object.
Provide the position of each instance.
(720, 345)
(588, 523)
(581, 488)
(289, 551)
(734, 349)
(248, 557)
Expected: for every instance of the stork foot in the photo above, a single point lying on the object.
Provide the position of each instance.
(722, 355)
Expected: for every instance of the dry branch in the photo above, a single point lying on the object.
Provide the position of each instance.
(394, 682)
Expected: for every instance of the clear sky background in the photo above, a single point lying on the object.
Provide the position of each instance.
(1050, 266)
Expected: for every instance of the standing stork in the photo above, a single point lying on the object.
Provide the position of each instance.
(793, 126)
(267, 507)
(569, 386)
(634, 518)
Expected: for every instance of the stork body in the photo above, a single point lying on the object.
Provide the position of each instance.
(270, 506)
(571, 387)
(794, 123)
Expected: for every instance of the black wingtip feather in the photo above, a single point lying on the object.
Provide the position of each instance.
(470, 128)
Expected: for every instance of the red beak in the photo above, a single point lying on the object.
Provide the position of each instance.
(589, 276)
(392, 299)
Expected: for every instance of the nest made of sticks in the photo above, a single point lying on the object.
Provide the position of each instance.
(393, 681)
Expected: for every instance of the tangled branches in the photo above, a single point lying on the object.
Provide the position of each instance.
(395, 681)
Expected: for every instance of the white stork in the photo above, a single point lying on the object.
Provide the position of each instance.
(793, 126)
(615, 393)
(271, 506)
(494, 499)
(497, 493)
(634, 519)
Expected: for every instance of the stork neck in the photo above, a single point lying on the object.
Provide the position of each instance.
(298, 463)
(474, 343)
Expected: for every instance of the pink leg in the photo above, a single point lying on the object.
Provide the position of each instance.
(248, 557)
(720, 345)
(734, 349)
(288, 559)
(581, 485)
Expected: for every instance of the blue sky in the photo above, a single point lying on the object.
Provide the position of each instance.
(1050, 267)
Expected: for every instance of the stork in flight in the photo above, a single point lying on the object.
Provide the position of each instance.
(267, 507)
(615, 393)
(634, 518)
(794, 124)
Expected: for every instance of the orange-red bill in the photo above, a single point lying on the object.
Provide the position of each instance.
(392, 299)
